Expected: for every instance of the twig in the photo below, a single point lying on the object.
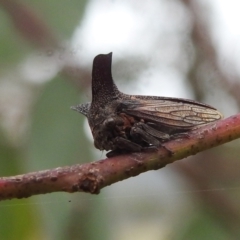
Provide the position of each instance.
(91, 177)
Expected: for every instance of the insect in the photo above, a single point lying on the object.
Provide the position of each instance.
(131, 123)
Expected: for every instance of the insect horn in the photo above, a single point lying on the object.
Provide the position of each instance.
(82, 108)
(103, 86)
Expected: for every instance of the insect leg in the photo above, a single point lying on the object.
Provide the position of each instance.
(124, 146)
(140, 134)
(154, 132)
(180, 135)
(148, 134)
(146, 131)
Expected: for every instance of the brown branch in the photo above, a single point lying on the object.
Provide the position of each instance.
(91, 177)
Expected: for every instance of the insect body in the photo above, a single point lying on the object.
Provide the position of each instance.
(130, 123)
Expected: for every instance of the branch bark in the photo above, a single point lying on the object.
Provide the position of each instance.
(91, 177)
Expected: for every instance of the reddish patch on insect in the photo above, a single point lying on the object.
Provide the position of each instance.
(128, 120)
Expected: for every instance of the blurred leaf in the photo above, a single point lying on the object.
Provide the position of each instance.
(62, 16)
(57, 139)
(205, 227)
(18, 217)
(12, 46)
(19, 220)
(10, 159)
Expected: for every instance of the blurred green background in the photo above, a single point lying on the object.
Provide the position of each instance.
(44, 71)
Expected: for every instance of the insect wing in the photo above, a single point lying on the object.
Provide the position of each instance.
(175, 114)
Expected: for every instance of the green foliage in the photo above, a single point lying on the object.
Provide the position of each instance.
(203, 226)
(62, 16)
(19, 220)
(12, 46)
(57, 137)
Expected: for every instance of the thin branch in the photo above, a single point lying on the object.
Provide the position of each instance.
(91, 177)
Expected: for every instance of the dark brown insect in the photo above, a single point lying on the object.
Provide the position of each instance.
(130, 123)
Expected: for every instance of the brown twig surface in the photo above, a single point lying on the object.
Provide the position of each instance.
(91, 177)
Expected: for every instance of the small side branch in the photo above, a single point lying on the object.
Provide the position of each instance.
(91, 177)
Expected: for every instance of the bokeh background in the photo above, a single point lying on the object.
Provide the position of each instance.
(177, 48)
